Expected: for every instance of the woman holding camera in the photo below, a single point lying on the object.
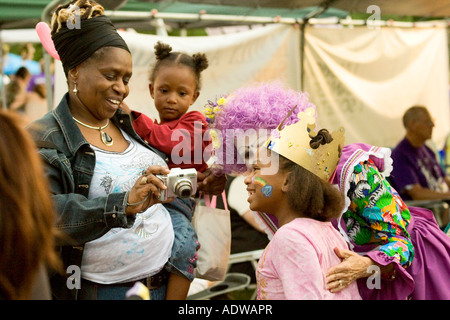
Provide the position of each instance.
(102, 175)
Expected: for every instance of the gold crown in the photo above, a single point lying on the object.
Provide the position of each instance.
(293, 142)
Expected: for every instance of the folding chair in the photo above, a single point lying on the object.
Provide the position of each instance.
(438, 207)
(232, 281)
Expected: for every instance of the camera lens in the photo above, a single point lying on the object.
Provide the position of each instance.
(185, 193)
(183, 188)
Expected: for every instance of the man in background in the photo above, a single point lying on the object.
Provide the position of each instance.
(417, 173)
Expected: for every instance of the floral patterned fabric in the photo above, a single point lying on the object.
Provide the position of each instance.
(377, 215)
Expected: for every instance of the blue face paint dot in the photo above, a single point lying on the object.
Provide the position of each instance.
(267, 190)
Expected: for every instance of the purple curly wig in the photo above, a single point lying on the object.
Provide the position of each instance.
(261, 105)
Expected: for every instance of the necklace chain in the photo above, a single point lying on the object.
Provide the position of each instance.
(91, 127)
(106, 138)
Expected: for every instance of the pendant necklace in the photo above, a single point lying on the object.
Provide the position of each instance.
(106, 139)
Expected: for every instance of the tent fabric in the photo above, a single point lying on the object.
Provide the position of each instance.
(244, 8)
(26, 13)
(21, 9)
(343, 88)
(366, 79)
(358, 78)
(235, 60)
(435, 8)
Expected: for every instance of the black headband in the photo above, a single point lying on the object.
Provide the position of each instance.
(76, 45)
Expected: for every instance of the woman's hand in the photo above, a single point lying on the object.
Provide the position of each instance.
(209, 183)
(352, 267)
(146, 190)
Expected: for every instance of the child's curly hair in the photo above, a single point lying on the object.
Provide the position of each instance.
(310, 195)
(165, 56)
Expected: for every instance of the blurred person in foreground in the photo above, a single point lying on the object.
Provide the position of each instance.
(27, 232)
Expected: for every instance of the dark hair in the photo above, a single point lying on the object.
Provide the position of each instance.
(309, 194)
(412, 114)
(40, 89)
(164, 56)
(322, 137)
(22, 73)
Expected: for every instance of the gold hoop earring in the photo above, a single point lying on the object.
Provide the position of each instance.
(75, 90)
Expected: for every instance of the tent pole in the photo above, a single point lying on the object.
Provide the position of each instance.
(132, 15)
(2, 60)
(302, 54)
(319, 10)
(48, 80)
(45, 17)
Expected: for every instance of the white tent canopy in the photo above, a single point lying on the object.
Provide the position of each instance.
(19, 36)
(345, 87)
(366, 79)
(363, 79)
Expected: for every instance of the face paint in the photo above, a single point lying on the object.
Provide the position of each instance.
(266, 189)
(259, 181)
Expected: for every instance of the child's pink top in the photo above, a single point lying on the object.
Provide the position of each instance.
(294, 264)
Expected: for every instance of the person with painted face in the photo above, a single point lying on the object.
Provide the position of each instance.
(243, 121)
(289, 180)
(392, 247)
(239, 123)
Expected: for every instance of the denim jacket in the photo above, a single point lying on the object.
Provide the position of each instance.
(69, 165)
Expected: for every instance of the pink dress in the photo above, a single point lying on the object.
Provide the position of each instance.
(294, 264)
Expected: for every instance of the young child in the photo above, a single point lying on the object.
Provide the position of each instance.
(175, 83)
(240, 122)
(296, 191)
(175, 86)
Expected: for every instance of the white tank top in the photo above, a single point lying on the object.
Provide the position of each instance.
(123, 254)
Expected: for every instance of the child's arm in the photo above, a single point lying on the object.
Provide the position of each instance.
(166, 137)
(126, 109)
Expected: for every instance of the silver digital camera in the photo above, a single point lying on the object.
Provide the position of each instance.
(179, 182)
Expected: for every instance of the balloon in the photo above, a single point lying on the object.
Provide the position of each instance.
(43, 31)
